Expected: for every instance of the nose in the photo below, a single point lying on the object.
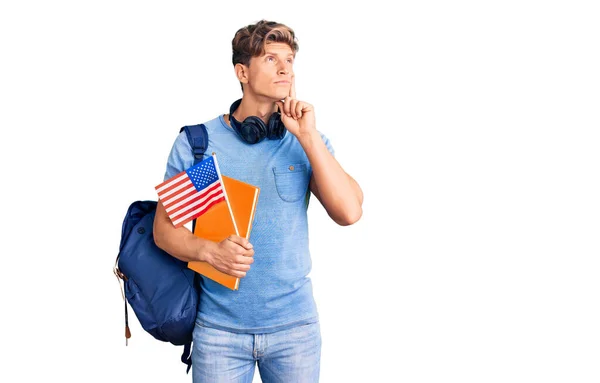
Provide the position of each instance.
(283, 69)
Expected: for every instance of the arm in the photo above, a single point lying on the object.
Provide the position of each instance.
(179, 242)
(340, 194)
(231, 256)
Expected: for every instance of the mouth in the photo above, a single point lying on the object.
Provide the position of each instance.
(282, 82)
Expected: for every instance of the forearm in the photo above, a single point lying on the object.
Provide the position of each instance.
(179, 242)
(339, 193)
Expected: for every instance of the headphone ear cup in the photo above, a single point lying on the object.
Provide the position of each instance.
(253, 130)
(276, 127)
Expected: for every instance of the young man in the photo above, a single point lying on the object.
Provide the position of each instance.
(272, 319)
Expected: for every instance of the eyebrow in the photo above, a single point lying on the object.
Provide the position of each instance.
(275, 54)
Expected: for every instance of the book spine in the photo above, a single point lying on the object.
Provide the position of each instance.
(225, 193)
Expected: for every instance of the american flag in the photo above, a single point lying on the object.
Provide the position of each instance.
(189, 194)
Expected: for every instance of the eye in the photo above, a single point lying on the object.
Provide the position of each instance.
(290, 61)
(271, 58)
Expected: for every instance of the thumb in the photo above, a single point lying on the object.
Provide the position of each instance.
(280, 106)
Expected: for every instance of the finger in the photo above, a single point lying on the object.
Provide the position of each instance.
(287, 106)
(280, 106)
(240, 241)
(293, 87)
(299, 107)
(241, 267)
(293, 104)
(237, 274)
(245, 259)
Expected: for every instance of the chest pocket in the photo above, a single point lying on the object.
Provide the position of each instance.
(291, 181)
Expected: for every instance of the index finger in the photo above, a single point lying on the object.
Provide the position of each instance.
(293, 88)
(240, 241)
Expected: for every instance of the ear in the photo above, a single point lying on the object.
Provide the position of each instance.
(241, 71)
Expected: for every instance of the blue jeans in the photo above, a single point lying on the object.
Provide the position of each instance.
(291, 355)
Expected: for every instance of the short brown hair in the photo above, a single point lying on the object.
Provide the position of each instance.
(250, 41)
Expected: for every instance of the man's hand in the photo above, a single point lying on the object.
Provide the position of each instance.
(297, 116)
(232, 256)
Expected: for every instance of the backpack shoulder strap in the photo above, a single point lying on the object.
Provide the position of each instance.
(198, 139)
(197, 136)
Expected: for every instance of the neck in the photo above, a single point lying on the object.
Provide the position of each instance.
(253, 106)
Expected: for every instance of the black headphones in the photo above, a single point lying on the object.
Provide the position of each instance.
(253, 130)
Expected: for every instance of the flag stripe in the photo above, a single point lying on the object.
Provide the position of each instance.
(183, 185)
(172, 199)
(167, 188)
(178, 198)
(197, 200)
(176, 178)
(199, 211)
(188, 198)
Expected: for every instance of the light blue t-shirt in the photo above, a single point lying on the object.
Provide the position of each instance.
(276, 293)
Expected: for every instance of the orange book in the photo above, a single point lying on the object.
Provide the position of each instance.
(216, 225)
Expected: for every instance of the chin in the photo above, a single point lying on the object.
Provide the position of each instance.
(279, 95)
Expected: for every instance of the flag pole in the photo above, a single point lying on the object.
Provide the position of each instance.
(214, 156)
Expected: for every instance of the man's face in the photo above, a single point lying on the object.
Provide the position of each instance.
(270, 75)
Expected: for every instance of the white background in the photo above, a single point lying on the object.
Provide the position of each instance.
(471, 126)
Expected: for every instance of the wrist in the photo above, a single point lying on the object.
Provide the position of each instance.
(204, 250)
(308, 139)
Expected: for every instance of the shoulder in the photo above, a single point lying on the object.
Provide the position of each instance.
(181, 156)
(215, 125)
